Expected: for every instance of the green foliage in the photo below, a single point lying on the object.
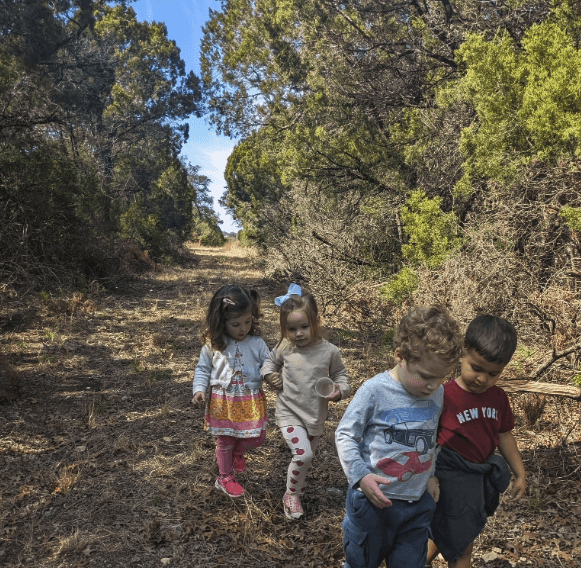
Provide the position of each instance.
(142, 226)
(522, 355)
(158, 376)
(527, 98)
(205, 222)
(249, 236)
(208, 233)
(250, 62)
(92, 125)
(576, 380)
(503, 244)
(345, 334)
(536, 501)
(572, 216)
(253, 178)
(40, 189)
(388, 338)
(400, 287)
(431, 233)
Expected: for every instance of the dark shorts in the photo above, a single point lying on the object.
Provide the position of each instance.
(399, 534)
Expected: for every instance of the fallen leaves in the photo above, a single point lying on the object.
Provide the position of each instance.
(137, 484)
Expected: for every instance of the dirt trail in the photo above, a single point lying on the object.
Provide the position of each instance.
(104, 461)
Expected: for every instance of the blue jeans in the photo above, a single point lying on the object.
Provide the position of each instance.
(399, 534)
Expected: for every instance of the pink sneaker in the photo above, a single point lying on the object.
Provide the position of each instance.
(292, 506)
(229, 485)
(239, 464)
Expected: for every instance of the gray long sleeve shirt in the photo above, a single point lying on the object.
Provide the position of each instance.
(390, 432)
(298, 404)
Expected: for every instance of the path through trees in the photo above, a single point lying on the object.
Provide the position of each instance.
(104, 461)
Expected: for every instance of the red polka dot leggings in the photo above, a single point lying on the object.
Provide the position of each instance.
(303, 449)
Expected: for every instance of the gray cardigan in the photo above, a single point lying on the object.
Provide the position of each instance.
(216, 368)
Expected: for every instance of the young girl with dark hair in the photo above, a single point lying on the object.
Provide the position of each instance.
(294, 366)
(229, 372)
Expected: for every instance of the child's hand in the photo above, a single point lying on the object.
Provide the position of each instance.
(335, 395)
(370, 486)
(433, 488)
(519, 487)
(274, 380)
(199, 397)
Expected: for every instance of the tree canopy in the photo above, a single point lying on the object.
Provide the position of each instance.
(94, 108)
(371, 133)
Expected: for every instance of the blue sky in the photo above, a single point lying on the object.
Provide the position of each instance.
(184, 20)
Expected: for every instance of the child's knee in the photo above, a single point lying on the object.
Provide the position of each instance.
(303, 455)
(224, 445)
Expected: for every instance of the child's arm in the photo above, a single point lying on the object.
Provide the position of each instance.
(270, 370)
(338, 374)
(433, 488)
(348, 436)
(274, 380)
(202, 374)
(509, 450)
(370, 486)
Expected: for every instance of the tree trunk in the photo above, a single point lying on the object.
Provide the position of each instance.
(509, 385)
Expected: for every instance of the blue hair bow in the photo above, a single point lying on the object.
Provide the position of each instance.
(293, 289)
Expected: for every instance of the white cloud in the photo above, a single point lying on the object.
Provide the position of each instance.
(219, 158)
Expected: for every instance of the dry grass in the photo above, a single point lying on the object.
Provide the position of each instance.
(105, 463)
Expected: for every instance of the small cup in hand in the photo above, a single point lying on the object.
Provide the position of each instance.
(325, 387)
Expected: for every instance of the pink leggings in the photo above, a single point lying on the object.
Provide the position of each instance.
(228, 446)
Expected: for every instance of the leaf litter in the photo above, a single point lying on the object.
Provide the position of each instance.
(105, 462)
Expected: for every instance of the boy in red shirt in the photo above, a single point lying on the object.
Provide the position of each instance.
(476, 419)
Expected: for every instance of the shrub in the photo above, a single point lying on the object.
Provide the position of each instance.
(400, 287)
(432, 234)
(572, 216)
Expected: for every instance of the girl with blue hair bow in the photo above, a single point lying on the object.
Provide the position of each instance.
(294, 366)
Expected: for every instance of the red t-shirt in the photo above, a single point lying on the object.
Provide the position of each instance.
(471, 423)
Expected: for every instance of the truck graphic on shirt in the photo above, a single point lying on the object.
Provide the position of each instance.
(420, 411)
(420, 439)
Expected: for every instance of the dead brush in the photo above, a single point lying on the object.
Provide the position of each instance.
(89, 414)
(66, 478)
(77, 303)
(75, 543)
(533, 406)
(136, 261)
(123, 444)
(159, 339)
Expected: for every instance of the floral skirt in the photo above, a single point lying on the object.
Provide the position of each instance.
(236, 411)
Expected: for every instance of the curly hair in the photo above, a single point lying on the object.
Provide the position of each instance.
(305, 303)
(229, 302)
(430, 329)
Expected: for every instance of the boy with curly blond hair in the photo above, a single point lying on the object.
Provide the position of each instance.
(387, 445)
